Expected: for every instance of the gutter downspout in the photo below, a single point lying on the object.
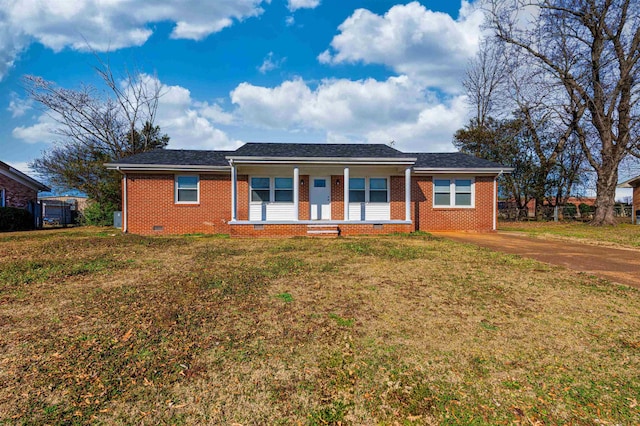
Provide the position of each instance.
(495, 201)
(124, 200)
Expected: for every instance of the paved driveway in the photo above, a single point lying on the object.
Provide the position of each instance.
(618, 265)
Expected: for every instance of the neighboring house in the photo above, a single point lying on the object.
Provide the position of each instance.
(635, 184)
(62, 209)
(19, 190)
(286, 189)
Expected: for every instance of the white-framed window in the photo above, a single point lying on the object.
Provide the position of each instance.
(378, 190)
(187, 189)
(369, 190)
(283, 190)
(357, 192)
(2, 198)
(260, 189)
(453, 192)
(276, 189)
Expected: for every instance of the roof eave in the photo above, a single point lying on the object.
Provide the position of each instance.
(631, 183)
(323, 160)
(18, 176)
(464, 170)
(164, 167)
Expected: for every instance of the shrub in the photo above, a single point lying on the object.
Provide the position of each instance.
(585, 208)
(13, 219)
(99, 214)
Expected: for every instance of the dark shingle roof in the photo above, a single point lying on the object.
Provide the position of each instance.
(453, 160)
(318, 150)
(190, 157)
(181, 157)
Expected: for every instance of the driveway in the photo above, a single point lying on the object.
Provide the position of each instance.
(618, 265)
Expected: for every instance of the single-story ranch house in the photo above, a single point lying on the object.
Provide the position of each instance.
(289, 189)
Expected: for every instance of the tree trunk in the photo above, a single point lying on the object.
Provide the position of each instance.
(606, 196)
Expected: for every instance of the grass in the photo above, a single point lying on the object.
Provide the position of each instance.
(99, 327)
(623, 234)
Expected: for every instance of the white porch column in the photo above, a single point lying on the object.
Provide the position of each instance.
(407, 194)
(346, 193)
(296, 192)
(234, 193)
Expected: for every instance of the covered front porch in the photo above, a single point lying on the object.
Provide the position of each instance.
(320, 194)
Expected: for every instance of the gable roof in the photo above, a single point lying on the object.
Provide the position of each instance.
(200, 160)
(18, 176)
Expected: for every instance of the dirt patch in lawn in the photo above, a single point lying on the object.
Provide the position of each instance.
(621, 265)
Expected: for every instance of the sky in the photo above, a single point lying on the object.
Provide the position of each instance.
(235, 71)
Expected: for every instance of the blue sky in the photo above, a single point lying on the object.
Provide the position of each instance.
(235, 71)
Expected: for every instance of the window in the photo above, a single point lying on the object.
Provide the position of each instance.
(377, 190)
(278, 190)
(2, 201)
(284, 190)
(356, 190)
(463, 192)
(319, 183)
(442, 192)
(260, 189)
(187, 189)
(452, 192)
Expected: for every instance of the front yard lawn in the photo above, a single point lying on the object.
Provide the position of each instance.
(621, 235)
(99, 327)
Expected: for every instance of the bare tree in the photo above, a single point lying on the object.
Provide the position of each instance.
(95, 127)
(516, 106)
(591, 49)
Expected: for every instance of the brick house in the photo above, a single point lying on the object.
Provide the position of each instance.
(17, 189)
(635, 184)
(273, 189)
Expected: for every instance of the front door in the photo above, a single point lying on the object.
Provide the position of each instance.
(320, 198)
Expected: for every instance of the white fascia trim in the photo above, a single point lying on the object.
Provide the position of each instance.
(322, 160)
(165, 168)
(432, 170)
(20, 177)
(628, 183)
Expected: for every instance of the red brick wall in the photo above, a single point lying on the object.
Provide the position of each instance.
(337, 197)
(151, 203)
(397, 198)
(17, 194)
(304, 209)
(427, 218)
(293, 230)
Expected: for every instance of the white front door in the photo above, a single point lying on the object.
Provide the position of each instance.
(320, 198)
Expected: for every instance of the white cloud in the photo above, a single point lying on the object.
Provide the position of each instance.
(19, 106)
(411, 40)
(270, 64)
(294, 5)
(367, 110)
(289, 21)
(189, 123)
(41, 132)
(108, 25)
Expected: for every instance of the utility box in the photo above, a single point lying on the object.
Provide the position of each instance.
(117, 220)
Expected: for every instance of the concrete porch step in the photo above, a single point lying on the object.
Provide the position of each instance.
(323, 230)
